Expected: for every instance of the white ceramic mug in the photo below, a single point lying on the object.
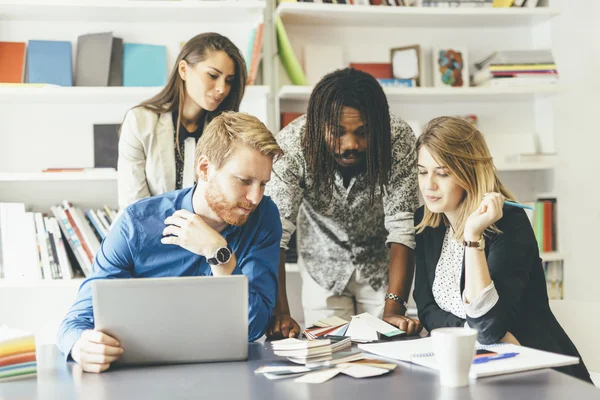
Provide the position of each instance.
(454, 349)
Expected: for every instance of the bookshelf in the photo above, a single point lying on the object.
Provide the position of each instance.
(92, 175)
(432, 94)
(338, 14)
(94, 95)
(132, 11)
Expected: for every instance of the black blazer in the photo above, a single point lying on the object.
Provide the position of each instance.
(516, 269)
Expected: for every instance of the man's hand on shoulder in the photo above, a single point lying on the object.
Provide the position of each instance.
(189, 231)
(283, 326)
(95, 351)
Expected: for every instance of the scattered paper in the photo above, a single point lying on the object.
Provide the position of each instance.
(379, 325)
(363, 371)
(319, 376)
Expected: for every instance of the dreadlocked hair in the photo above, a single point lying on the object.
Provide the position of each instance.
(348, 87)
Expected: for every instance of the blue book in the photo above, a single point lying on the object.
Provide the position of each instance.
(49, 61)
(396, 82)
(144, 65)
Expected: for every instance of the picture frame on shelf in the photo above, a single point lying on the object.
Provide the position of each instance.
(406, 63)
(450, 66)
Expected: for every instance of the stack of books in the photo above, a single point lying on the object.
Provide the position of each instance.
(17, 354)
(516, 68)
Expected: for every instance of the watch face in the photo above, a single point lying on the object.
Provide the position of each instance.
(223, 255)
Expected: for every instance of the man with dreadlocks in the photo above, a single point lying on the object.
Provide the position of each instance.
(348, 184)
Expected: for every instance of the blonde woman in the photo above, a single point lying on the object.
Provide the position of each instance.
(477, 260)
(158, 137)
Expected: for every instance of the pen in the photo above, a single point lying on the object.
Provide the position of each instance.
(519, 205)
(502, 356)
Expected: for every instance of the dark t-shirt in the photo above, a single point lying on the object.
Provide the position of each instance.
(183, 134)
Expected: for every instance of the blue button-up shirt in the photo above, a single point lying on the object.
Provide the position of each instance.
(133, 249)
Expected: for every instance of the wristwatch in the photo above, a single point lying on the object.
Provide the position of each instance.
(397, 299)
(479, 244)
(222, 256)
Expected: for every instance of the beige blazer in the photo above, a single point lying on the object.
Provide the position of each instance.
(146, 165)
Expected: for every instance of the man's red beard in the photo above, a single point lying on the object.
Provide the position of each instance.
(227, 212)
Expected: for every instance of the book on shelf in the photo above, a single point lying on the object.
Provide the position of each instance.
(49, 61)
(456, 3)
(287, 117)
(255, 55)
(106, 145)
(376, 70)
(516, 68)
(144, 64)
(12, 67)
(401, 83)
(92, 61)
(59, 245)
(287, 56)
(543, 221)
(554, 272)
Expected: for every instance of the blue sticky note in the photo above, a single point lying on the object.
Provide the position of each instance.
(144, 65)
(49, 61)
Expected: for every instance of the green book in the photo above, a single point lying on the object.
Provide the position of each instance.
(287, 56)
(538, 224)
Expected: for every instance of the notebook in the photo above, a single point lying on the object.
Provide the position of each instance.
(421, 352)
(144, 65)
(106, 145)
(92, 63)
(12, 55)
(49, 61)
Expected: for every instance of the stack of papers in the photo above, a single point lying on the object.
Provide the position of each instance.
(17, 354)
(333, 326)
(307, 351)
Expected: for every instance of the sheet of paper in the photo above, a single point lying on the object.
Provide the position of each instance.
(379, 325)
(400, 350)
(319, 376)
(363, 371)
(361, 331)
(375, 363)
(275, 377)
(331, 321)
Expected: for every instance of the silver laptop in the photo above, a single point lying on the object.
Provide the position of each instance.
(174, 320)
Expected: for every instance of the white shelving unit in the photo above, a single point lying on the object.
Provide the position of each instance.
(432, 95)
(92, 175)
(340, 14)
(95, 95)
(131, 11)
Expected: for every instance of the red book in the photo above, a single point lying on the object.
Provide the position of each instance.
(548, 226)
(87, 250)
(287, 117)
(17, 359)
(12, 57)
(377, 70)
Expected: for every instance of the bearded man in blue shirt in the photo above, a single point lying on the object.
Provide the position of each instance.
(222, 225)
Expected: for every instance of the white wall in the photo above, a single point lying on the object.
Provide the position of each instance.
(576, 38)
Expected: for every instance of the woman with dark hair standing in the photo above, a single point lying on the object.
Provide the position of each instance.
(158, 137)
